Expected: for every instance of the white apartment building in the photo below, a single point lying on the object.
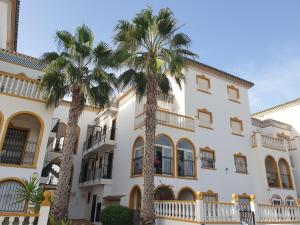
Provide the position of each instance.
(215, 163)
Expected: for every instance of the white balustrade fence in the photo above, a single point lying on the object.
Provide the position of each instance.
(167, 119)
(274, 143)
(28, 218)
(184, 210)
(18, 218)
(220, 212)
(277, 214)
(17, 85)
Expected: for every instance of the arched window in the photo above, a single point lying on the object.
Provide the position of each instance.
(185, 159)
(290, 201)
(9, 196)
(21, 139)
(276, 200)
(138, 152)
(164, 193)
(163, 158)
(272, 172)
(285, 174)
(186, 194)
(135, 198)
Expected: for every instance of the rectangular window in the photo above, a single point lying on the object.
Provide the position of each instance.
(236, 126)
(240, 162)
(233, 93)
(207, 158)
(205, 118)
(88, 197)
(203, 84)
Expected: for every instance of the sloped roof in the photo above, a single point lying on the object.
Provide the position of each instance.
(20, 59)
(277, 108)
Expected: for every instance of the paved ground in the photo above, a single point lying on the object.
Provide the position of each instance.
(81, 222)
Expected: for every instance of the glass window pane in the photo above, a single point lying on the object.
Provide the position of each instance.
(163, 140)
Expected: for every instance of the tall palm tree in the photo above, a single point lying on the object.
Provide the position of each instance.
(77, 70)
(154, 51)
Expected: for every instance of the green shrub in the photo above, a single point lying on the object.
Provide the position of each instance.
(116, 215)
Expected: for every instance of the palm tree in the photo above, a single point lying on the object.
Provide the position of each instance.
(77, 70)
(153, 52)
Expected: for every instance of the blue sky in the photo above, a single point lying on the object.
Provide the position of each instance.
(256, 40)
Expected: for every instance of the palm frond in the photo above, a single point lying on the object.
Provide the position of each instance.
(84, 35)
(64, 39)
(48, 57)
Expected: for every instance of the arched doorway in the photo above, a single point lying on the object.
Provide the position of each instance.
(272, 172)
(135, 198)
(285, 174)
(185, 158)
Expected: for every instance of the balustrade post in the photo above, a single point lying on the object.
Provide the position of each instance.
(236, 212)
(199, 208)
(253, 207)
(45, 209)
(258, 140)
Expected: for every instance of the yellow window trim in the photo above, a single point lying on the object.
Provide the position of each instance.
(232, 87)
(40, 137)
(1, 120)
(195, 160)
(203, 77)
(240, 155)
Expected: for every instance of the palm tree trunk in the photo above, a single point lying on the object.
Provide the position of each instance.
(148, 212)
(61, 201)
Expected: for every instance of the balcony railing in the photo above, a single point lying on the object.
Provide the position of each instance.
(20, 86)
(166, 118)
(186, 168)
(274, 143)
(93, 175)
(15, 155)
(97, 139)
(164, 166)
(279, 214)
(207, 163)
(137, 165)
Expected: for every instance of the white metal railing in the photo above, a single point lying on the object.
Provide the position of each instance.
(20, 86)
(274, 143)
(167, 119)
(292, 144)
(220, 212)
(277, 214)
(184, 210)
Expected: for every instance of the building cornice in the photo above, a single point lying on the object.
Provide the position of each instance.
(220, 73)
(277, 108)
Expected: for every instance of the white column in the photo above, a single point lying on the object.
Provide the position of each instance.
(45, 209)
(199, 208)
(258, 140)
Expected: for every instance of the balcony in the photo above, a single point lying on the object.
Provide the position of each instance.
(12, 153)
(100, 141)
(168, 119)
(20, 85)
(95, 176)
(162, 166)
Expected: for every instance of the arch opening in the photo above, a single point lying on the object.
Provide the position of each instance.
(272, 172)
(138, 154)
(163, 155)
(135, 198)
(285, 174)
(164, 193)
(186, 194)
(185, 158)
(22, 139)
